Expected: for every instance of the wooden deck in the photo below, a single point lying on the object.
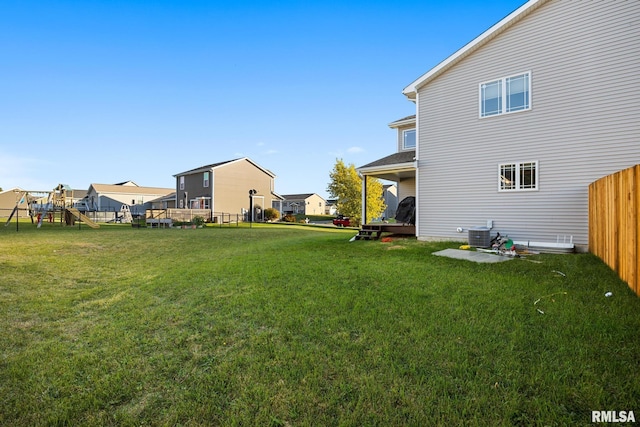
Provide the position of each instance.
(373, 231)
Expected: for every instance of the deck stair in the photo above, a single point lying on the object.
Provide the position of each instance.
(374, 231)
(369, 232)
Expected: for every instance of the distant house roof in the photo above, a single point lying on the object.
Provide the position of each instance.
(127, 183)
(169, 197)
(119, 189)
(393, 159)
(219, 164)
(79, 194)
(299, 196)
(514, 17)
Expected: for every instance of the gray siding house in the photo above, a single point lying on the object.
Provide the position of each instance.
(514, 126)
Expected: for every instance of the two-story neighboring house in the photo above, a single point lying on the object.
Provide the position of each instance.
(307, 204)
(512, 128)
(225, 187)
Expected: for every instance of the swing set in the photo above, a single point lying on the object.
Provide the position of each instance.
(49, 204)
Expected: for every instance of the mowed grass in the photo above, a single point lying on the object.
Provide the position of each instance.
(294, 325)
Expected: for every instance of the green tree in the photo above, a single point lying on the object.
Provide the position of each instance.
(346, 187)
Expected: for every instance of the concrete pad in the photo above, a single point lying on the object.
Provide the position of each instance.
(472, 255)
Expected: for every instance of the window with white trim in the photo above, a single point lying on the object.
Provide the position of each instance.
(518, 176)
(506, 95)
(408, 139)
(205, 179)
(182, 182)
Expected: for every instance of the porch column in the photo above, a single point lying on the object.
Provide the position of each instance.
(364, 199)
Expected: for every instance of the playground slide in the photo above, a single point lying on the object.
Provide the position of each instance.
(75, 212)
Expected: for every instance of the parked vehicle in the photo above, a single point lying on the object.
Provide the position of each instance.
(341, 221)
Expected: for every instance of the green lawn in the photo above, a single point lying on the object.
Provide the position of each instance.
(294, 325)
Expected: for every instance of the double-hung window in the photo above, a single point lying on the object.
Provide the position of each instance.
(409, 139)
(506, 95)
(182, 182)
(205, 179)
(518, 176)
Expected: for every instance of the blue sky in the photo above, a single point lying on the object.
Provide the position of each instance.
(108, 91)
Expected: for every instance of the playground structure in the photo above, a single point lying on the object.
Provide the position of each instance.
(50, 205)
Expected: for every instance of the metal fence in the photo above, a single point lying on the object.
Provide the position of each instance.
(187, 215)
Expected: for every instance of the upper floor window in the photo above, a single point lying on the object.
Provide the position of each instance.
(408, 139)
(518, 176)
(182, 182)
(205, 179)
(505, 95)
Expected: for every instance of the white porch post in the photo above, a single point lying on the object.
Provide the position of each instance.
(364, 199)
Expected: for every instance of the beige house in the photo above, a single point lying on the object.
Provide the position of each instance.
(229, 187)
(9, 199)
(306, 204)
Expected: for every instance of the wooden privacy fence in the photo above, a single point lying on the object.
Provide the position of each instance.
(614, 228)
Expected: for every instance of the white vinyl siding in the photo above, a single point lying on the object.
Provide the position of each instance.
(585, 58)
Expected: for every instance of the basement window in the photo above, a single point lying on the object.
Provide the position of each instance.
(518, 176)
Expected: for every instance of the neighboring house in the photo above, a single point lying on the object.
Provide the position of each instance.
(390, 196)
(331, 207)
(513, 127)
(8, 200)
(77, 196)
(111, 197)
(164, 202)
(306, 204)
(225, 188)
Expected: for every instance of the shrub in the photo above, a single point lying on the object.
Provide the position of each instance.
(289, 218)
(271, 214)
(198, 220)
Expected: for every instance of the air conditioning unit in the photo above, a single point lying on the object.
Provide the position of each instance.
(479, 237)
